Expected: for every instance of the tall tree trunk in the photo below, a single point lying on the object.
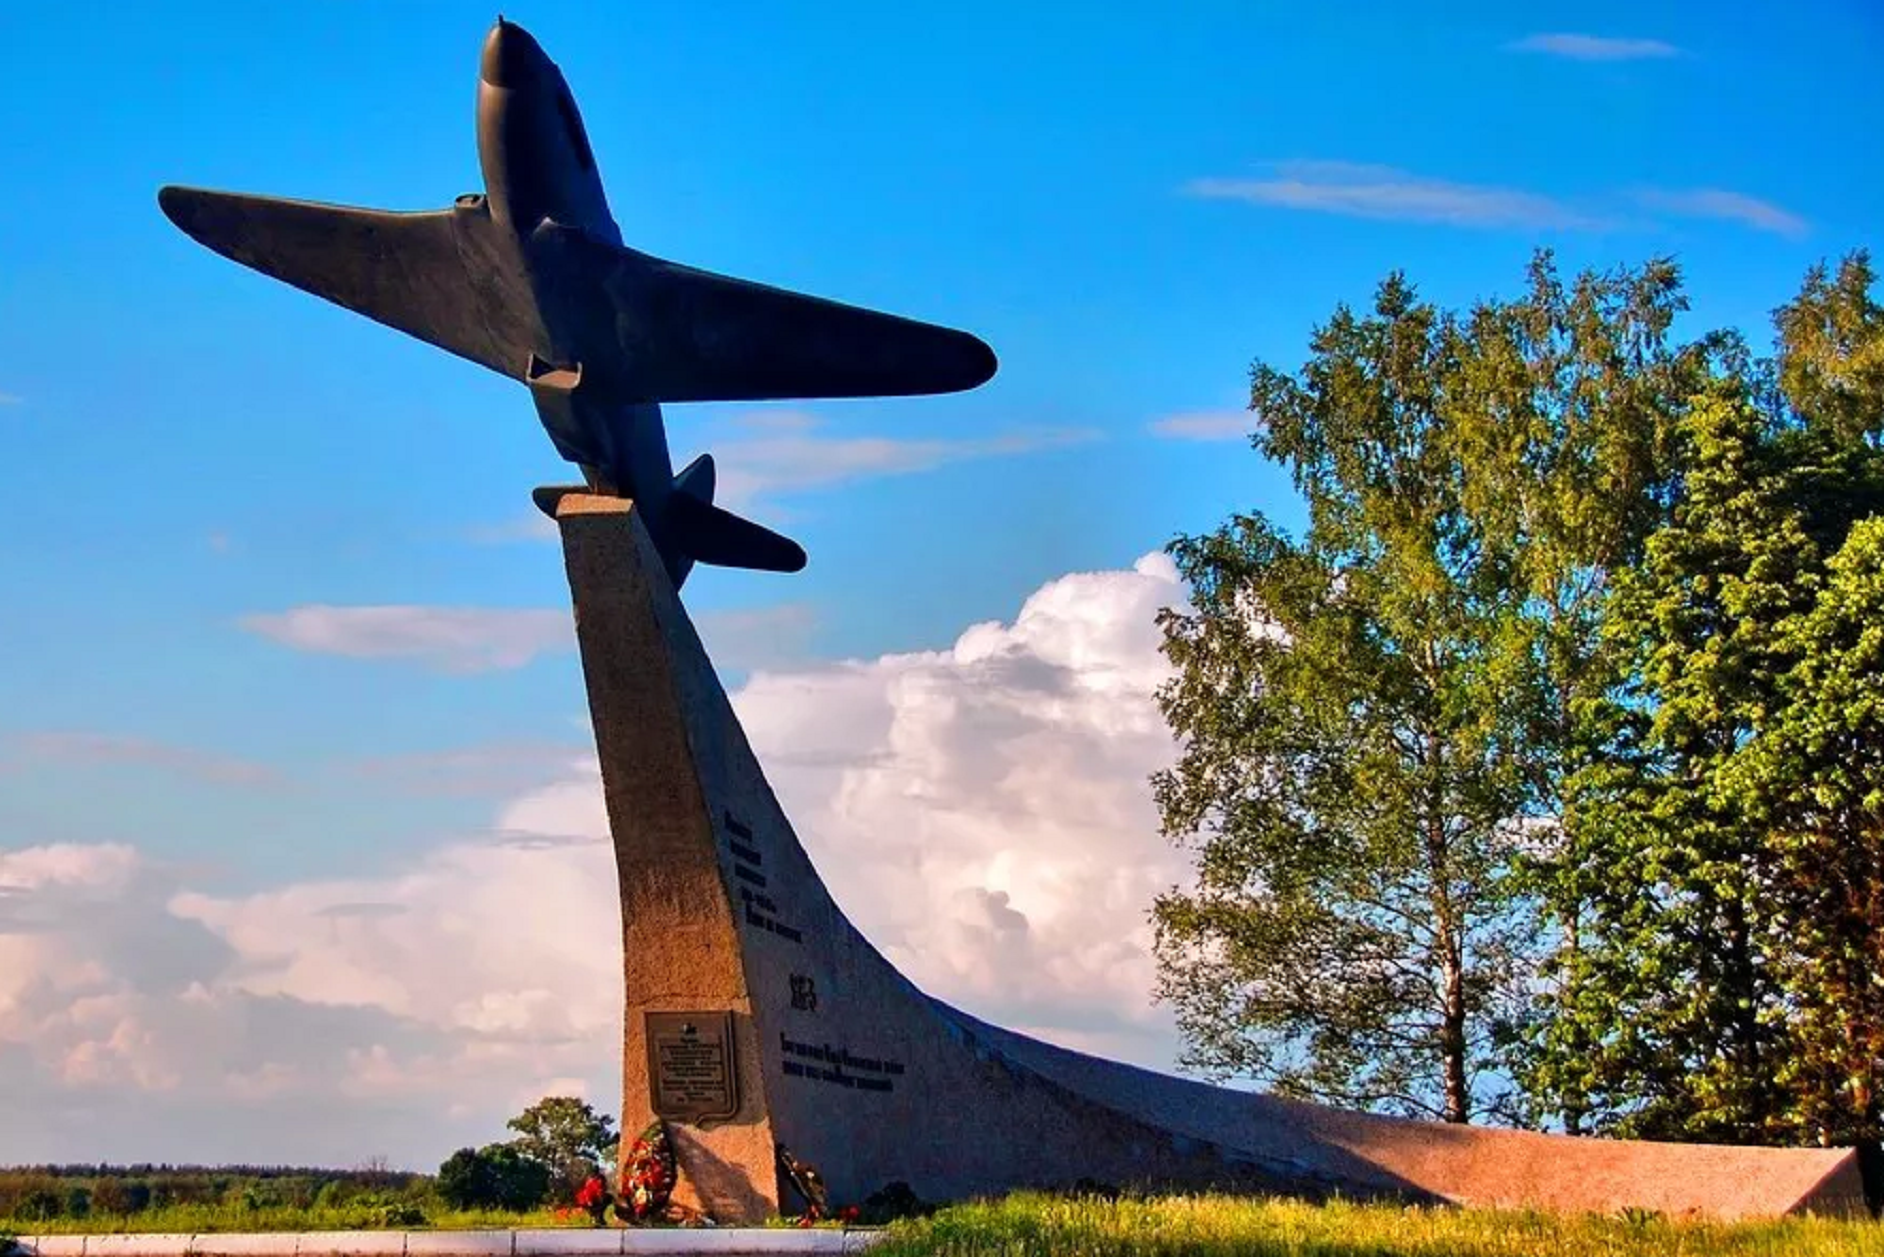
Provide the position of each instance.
(1452, 1030)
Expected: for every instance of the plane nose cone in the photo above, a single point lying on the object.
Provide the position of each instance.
(511, 57)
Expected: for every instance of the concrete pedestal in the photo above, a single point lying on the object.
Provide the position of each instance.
(836, 1055)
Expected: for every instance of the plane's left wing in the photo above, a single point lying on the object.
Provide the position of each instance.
(443, 276)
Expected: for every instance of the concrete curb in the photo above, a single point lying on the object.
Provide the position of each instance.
(704, 1242)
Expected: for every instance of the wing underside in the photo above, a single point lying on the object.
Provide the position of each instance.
(443, 276)
(687, 335)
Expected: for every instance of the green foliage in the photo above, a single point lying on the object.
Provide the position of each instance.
(155, 1198)
(496, 1176)
(1215, 1226)
(569, 1137)
(1552, 749)
(1724, 870)
(1375, 716)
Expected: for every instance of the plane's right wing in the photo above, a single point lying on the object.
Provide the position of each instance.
(687, 335)
(442, 276)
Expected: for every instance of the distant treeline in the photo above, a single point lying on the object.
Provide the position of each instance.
(43, 1192)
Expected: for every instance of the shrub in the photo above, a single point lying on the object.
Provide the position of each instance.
(495, 1176)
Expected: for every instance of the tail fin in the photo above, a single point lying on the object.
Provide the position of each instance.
(708, 534)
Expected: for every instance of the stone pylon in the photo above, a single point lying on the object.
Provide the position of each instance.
(755, 1014)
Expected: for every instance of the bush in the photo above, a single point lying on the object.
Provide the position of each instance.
(495, 1176)
(41, 1204)
(399, 1214)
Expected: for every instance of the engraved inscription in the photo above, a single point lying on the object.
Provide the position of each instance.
(692, 1067)
(779, 928)
(826, 1063)
(804, 993)
(759, 910)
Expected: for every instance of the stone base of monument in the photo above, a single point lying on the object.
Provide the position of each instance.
(758, 1016)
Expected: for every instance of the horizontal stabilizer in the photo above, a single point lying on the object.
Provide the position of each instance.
(688, 335)
(708, 534)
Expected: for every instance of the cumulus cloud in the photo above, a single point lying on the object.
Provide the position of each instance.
(1384, 192)
(1595, 47)
(981, 811)
(1730, 206)
(1205, 425)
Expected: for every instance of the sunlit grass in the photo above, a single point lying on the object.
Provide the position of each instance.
(1207, 1226)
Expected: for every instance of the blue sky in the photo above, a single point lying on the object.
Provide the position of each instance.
(205, 475)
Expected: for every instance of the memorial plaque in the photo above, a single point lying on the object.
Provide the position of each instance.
(692, 1068)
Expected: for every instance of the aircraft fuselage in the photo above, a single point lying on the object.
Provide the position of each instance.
(538, 166)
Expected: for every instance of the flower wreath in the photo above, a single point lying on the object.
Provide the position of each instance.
(648, 1177)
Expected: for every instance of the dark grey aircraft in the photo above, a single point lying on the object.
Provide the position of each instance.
(531, 279)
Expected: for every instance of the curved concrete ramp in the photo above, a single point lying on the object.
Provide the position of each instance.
(756, 1014)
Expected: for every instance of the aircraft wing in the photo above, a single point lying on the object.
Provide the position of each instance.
(687, 335)
(442, 276)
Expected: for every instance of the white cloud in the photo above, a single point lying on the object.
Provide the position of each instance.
(101, 748)
(487, 639)
(1384, 192)
(11, 399)
(450, 639)
(1730, 206)
(487, 770)
(769, 452)
(1205, 425)
(532, 525)
(773, 452)
(981, 811)
(1595, 47)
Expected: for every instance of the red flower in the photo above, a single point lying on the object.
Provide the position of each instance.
(592, 1192)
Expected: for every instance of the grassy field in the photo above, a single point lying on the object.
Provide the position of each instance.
(1025, 1225)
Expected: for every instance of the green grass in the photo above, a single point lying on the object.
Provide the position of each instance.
(1026, 1225)
(1205, 1226)
(207, 1218)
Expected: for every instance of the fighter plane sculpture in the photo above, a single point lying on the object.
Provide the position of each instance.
(531, 279)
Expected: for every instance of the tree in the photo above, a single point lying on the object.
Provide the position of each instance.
(1378, 717)
(496, 1176)
(569, 1137)
(1728, 860)
(1348, 790)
